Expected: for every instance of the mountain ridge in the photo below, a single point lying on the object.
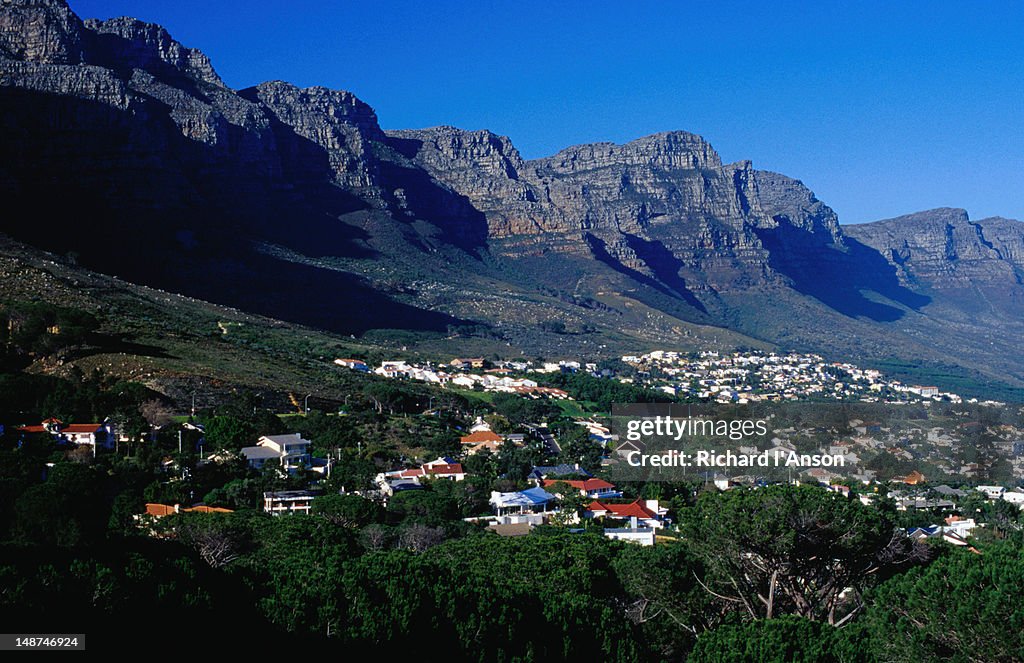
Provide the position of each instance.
(135, 157)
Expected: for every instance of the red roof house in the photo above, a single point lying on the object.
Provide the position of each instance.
(482, 439)
(588, 487)
(646, 517)
(435, 469)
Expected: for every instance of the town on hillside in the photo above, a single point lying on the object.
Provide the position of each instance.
(471, 465)
(738, 377)
(529, 443)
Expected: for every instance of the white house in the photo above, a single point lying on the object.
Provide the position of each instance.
(441, 468)
(532, 500)
(289, 501)
(962, 527)
(1014, 497)
(290, 450)
(992, 492)
(354, 364)
(87, 434)
(393, 369)
(645, 536)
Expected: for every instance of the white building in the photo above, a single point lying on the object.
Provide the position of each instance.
(992, 492)
(1014, 497)
(87, 434)
(645, 536)
(532, 500)
(290, 450)
(289, 501)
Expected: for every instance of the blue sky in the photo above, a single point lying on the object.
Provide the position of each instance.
(882, 108)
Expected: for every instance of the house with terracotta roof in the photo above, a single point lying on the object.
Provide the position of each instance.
(471, 362)
(155, 512)
(161, 510)
(646, 513)
(482, 439)
(593, 488)
(911, 479)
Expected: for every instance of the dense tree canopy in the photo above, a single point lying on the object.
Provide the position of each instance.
(787, 639)
(965, 606)
(793, 550)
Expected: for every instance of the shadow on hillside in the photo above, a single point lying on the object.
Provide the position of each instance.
(659, 259)
(125, 193)
(328, 299)
(665, 267)
(424, 198)
(105, 344)
(839, 278)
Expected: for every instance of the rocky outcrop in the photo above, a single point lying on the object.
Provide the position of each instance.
(663, 206)
(942, 248)
(129, 43)
(88, 83)
(136, 159)
(44, 31)
(333, 120)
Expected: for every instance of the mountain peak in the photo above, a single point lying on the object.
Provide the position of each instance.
(310, 107)
(674, 150)
(942, 215)
(129, 42)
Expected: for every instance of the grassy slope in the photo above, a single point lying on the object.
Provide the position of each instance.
(174, 343)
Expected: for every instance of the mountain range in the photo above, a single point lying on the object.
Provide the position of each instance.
(125, 153)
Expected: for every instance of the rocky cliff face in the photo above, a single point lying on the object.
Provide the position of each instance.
(136, 159)
(41, 31)
(663, 206)
(138, 68)
(943, 248)
(334, 120)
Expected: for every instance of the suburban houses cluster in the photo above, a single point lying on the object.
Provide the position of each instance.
(460, 373)
(569, 495)
(738, 377)
(742, 377)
